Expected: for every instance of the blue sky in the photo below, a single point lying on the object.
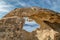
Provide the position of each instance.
(8, 5)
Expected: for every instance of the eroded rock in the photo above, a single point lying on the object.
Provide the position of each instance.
(11, 29)
(48, 20)
(12, 21)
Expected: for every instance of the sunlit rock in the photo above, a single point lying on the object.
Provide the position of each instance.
(48, 20)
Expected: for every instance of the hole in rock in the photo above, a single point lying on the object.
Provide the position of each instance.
(30, 25)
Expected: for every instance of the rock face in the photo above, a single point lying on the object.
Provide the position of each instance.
(11, 29)
(12, 21)
(48, 20)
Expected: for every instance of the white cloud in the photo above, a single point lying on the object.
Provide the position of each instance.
(23, 4)
(3, 6)
(4, 10)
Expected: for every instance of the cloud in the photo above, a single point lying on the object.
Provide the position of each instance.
(23, 3)
(3, 6)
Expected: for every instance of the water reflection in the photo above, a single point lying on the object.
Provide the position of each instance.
(30, 25)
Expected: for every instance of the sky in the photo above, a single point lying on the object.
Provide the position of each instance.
(7, 5)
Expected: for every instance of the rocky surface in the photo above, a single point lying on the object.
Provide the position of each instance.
(12, 22)
(48, 20)
(11, 29)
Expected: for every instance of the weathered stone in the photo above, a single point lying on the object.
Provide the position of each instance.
(12, 22)
(48, 20)
(11, 29)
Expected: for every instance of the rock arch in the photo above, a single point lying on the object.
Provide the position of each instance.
(38, 14)
(48, 19)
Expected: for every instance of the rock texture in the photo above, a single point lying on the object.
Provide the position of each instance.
(11, 29)
(48, 20)
(12, 21)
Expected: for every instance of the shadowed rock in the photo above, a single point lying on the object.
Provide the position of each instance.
(55, 26)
